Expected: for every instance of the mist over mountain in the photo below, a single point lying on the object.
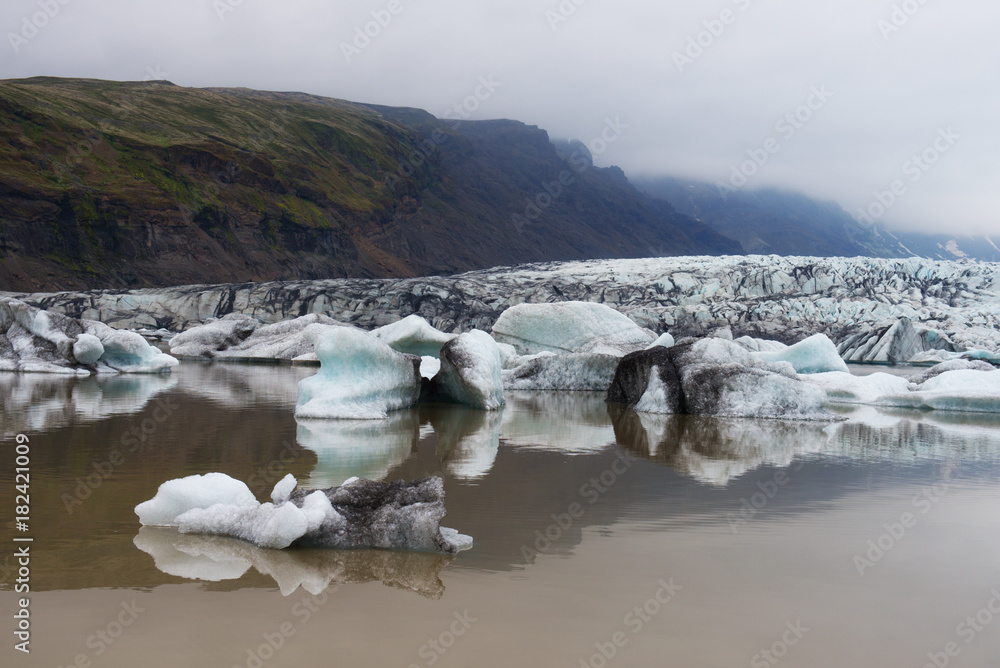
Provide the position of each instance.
(770, 221)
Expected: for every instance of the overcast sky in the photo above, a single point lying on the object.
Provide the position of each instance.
(701, 86)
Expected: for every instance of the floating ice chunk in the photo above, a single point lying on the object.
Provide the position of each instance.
(214, 335)
(264, 525)
(900, 341)
(966, 390)
(952, 365)
(283, 489)
(176, 497)
(88, 349)
(360, 378)
(575, 371)
(33, 340)
(386, 515)
(242, 337)
(413, 335)
(364, 514)
(508, 354)
(471, 372)
(665, 340)
(816, 354)
(843, 388)
(714, 377)
(569, 327)
(127, 352)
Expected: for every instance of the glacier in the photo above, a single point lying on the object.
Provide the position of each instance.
(358, 514)
(767, 297)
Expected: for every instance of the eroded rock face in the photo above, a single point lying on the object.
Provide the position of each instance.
(714, 377)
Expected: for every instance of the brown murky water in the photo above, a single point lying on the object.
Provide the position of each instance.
(602, 538)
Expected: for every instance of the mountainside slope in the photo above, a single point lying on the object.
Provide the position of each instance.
(107, 184)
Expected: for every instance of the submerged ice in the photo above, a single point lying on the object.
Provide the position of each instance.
(359, 514)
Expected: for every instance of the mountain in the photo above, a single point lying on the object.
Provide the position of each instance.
(144, 184)
(788, 223)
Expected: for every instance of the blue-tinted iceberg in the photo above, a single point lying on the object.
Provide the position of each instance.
(816, 354)
(413, 335)
(34, 340)
(360, 377)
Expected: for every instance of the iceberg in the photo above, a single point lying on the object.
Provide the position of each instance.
(34, 340)
(965, 390)
(816, 354)
(360, 377)
(714, 377)
(843, 388)
(360, 514)
(471, 373)
(413, 335)
(570, 327)
(951, 365)
(574, 371)
(240, 337)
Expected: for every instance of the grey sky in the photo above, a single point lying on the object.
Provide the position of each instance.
(893, 92)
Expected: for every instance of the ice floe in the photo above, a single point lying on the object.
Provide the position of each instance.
(359, 514)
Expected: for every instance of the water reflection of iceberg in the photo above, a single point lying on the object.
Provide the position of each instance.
(363, 448)
(213, 558)
(468, 440)
(44, 402)
(717, 450)
(571, 422)
(237, 385)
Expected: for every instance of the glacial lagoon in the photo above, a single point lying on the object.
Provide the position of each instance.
(602, 537)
